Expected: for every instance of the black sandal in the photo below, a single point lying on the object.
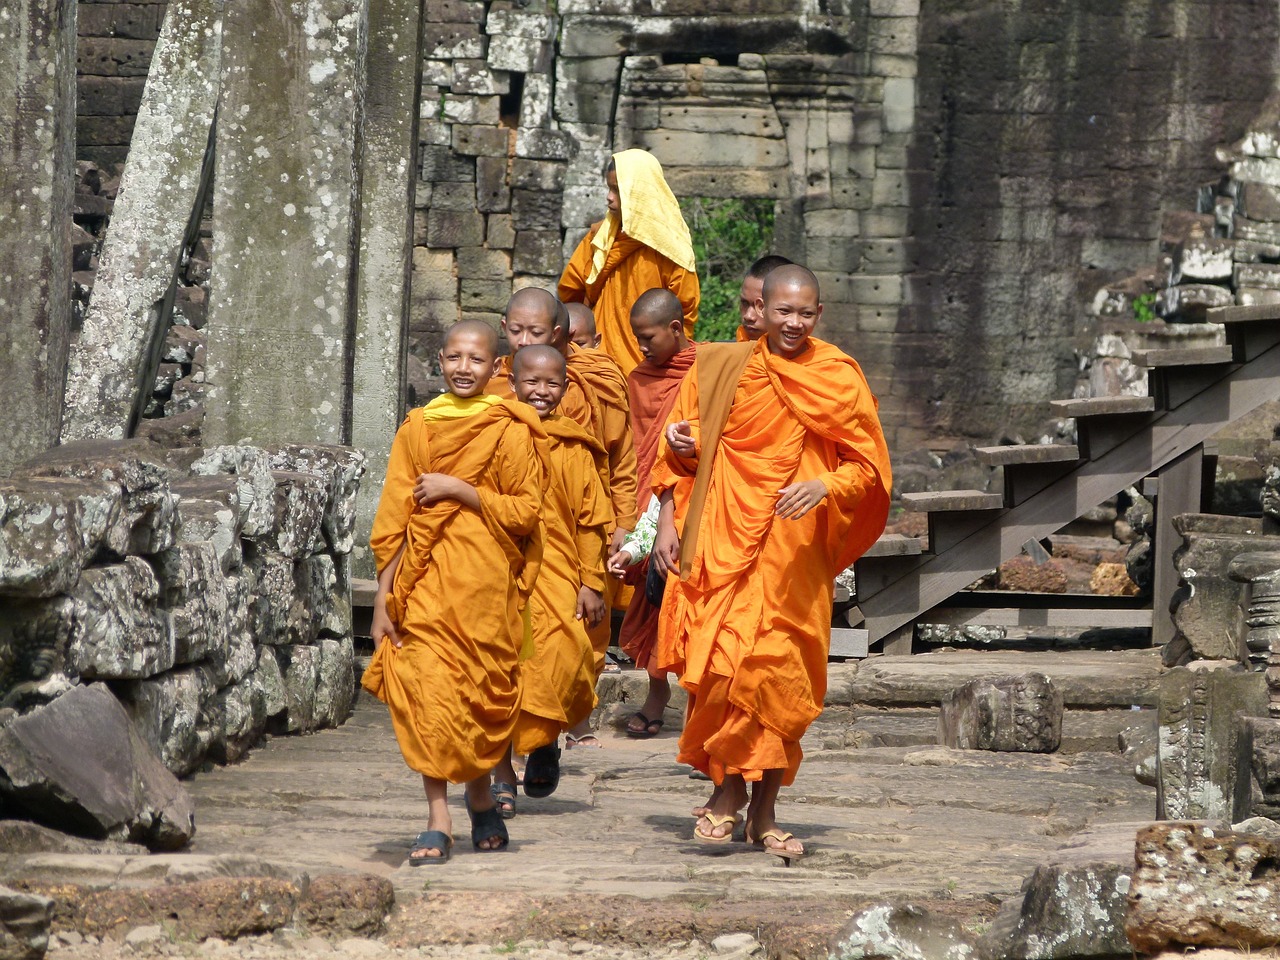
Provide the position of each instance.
(504, 795)
(431, 840)
(486, 825)
(542, 772)
(651, 727)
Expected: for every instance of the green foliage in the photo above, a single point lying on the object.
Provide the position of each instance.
(1144, 308)
(728, 236)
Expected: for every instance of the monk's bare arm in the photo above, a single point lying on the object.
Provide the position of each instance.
(382, 627)
(797, 499)
(678, 447)
(666, 543)
(432, 487)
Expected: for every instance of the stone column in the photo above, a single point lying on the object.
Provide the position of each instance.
(281, 291)
(394, 76)
(1261, 574)
(37, 176)
(110, 365)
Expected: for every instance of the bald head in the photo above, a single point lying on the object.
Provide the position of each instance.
(478, 329)
(791, 276)
(468, 357)
(538, 355)
(766, 265)
(538, 374)
(535, 316)
(582, 325)
(658, 305)
(792, 307)
(657, 322)
(534, 301)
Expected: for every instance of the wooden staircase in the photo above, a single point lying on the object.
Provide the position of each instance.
(1193, 393)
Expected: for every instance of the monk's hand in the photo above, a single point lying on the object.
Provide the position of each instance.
(666, 549)
(434, 486)
(799, 498)
(615, 541)
(590, 606)
(381, 628)
(619, 560)
(680, 439)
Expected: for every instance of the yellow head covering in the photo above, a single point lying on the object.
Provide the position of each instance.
(449, 406)
(650, 213)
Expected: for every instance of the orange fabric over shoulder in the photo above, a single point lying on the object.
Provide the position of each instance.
(748, 628)
(453, 687)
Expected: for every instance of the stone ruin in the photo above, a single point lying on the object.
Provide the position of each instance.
(205, 590)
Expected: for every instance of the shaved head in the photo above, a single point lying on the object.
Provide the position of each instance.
(658, 305)
(475, 328)
(534, 315)
(657, 323)
(766, 265)
(582, 325)
(537, 354)
(791, 276)
(535, 299)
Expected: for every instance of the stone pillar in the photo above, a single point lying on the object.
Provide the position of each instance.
(394, 77)
(37, 176)
(1202, 759)
(282, 291)
(1260, 572)
(111, 362)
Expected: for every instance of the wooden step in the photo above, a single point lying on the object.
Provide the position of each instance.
(1102, 406)
(1019, 453)
(1251, 330)
(1254, 313)
(1182, 357)
(1103, 423)
(996, 608)
(951, 500)
(895, 545)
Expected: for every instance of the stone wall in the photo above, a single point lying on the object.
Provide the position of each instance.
(210, 588)
(117, 38)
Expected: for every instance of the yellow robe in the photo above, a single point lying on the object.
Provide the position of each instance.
(560, 679)
(453, 687)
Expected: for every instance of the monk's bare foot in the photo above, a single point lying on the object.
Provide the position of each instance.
(706, 808)
(773, 839)
(647, 721)
(444, 829)
(719, 821)
(586, 740)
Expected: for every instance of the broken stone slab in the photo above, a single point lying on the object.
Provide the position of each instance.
(255, 486)
(111, 623)
(1258, 826)
(1194, 885)
(268, 674)
(341, 469)
(1190, 302)
(49, 530)
(300, 669)
(193, 598)
(79, 764)
(330, 605)
(25, 919)
(240, 655)
(1138, 743)
(179, 715)
(1010, 713)
(209, 510)
(335, 682)
(243, 706)
(1071, 907)
(300, 501)
(1203, 760)
(1261, 746)
(277, 613)
(1209, 618)
(23, 837)
(901, 931)
(347, 903)
(147, 520)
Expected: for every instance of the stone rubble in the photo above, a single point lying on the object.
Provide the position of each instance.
(1013, 713)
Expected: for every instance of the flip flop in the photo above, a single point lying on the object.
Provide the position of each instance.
(586, 740)
(649, 726)
(781, 837)
(504, 795)
(486, 825)
(542, 772)
(431, 840)
(717, 821)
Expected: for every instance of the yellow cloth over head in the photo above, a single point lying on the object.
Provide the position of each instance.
(650, 212)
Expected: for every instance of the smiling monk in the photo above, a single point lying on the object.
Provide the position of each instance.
(790, 485)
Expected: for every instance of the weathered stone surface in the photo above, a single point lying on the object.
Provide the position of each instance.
(37, 178)
(1013, 713)
(1112, 580)
(340, 468)
(49, 530)
(24, 924)
(255, 486)
(1203, 760)
(193, 598)
(79, 764)
(300, 668)
(240, 655)
(294, 202)
(243, 706)
(1261, 745)
(1197, 886)
(300, 502)
(267, 674)
(23, 836)
(144, 243)
(209, 512)
(147, 520)
(900, 931)
(320, 592)
(1072, 906)
(179, 714)
(347, 903)
(1209, 618)
(1023, 574)
(335, 689)
(277, 613)
(111, 623)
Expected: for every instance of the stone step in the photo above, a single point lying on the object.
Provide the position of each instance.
(1026, 453)
(1083, 731)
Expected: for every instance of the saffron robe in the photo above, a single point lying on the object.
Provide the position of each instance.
(630, 268)
(453, 686)
(747, 626)
(560, 678)
(652, 390)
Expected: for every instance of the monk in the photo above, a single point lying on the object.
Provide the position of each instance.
(790, 485)
(750, 306)
(595, 398)
(657, 324)
(456, 539)
(643, 242)
(582, 326)
(559, 679)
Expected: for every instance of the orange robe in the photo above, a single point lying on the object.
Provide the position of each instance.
(630, 269)
(748, 626)
(453, 687)
(608, 384)
(560, 678)
(578, 403)
(652, 390)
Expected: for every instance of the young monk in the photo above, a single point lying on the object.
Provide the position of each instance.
(750, 306)
(643, 242)
(582, 326)
(595, 397)
(456, 541)
(559, 680)
(790, 485)
(657, 324)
